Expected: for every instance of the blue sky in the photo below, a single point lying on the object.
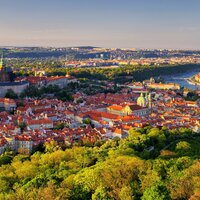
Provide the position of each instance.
(106, 23)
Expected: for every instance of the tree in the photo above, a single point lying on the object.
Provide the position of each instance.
(22, 126)
(5, 159)
(60, 126)
(11, 94)
(193, 96)
(23, 150)
(156, 192)
(88, 121)
(183, 147)
(31, 91)
(64, 96)
(157, 136)
(126, 193)
(51, 146)
(4, 186)
(101, 194)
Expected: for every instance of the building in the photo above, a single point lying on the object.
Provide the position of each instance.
(17, 87)
(7, 104)
(141, 101)
(40, 123)
(119, 133)
(60, 81)
(163, 86)
(197, 78)
(140, 111)
(7, 81)
(125, 110)
(6, 74)
(23, 142)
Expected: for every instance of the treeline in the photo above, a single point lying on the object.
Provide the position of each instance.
(150, 164)
(33, 91)
(39, 92)
(121, 74)
(125, 73)
(86, 86)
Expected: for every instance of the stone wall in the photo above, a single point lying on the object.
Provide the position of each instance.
(17, 88)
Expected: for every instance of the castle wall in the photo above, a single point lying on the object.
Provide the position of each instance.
(17, 88)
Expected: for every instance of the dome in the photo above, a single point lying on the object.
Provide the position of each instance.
(141, 101)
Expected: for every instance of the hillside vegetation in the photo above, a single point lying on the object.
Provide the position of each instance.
(117, 169)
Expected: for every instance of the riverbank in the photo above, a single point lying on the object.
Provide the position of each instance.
(183, 79)
(192, 81)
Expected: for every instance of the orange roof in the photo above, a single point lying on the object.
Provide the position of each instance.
(118, 131)
(39, 121)
(190, 102)
(115, 107)
(130, 118)
(35, 79)
(7, 100)
(54, 78)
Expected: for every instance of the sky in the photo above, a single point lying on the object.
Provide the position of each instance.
(170, 24)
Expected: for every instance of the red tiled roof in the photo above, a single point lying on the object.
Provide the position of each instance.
(39, 121)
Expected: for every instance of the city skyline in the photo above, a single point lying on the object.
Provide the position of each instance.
(124, 24)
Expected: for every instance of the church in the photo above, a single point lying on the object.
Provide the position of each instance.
(142, 108)
(7, 81)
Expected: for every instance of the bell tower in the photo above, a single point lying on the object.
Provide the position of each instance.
(1, 63)
(149, 100)
(5, 73)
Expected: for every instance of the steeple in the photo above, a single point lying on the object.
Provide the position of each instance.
(150, 100)
(67, 75)
(1, 62)
(141, 101)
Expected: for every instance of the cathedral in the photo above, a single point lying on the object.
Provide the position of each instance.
(6, 74)
(7, 80)
(144, 101)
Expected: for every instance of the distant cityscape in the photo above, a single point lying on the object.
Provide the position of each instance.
(99, 100)
(65, 105)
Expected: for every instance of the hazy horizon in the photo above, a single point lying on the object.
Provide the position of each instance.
(155, 24)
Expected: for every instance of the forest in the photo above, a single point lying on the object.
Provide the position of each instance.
(149, 164)
(126, 73)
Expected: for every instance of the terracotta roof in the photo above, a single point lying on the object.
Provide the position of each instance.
(39, 121)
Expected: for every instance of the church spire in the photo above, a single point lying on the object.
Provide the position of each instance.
(67, 75)
(1, 62)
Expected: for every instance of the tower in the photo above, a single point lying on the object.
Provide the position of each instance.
(67, 75)
(6, 74)
(149, 100)
(1, 63)
(141, 101)
(146, 98)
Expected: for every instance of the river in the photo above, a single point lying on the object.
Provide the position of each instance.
(181, 79)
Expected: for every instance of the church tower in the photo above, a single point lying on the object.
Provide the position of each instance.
(5, 73)
(149, 100)
(1, 63)
(141, 101)
(67, 75)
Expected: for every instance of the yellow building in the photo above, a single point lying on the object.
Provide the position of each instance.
(119, 110)
(125, 110)
(164, 86)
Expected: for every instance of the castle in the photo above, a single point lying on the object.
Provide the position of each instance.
(7, 81)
